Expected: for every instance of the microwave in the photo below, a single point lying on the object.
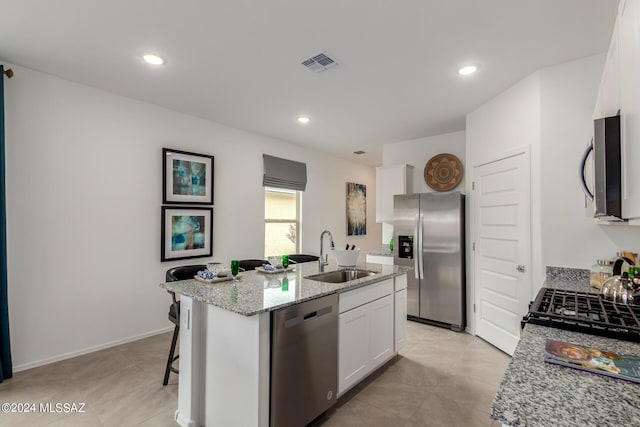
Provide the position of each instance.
(607, 165)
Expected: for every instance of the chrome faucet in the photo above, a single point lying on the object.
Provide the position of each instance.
(324, 259)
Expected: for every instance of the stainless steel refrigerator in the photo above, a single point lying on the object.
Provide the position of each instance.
(428, 231)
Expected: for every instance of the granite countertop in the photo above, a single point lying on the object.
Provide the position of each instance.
(535, 393)
(257, 292)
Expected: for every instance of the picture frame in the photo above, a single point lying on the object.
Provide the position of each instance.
(187, 232)
(187, 178)
(356, 209)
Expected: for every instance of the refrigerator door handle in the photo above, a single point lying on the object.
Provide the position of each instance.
(416, 258)
(420, 247)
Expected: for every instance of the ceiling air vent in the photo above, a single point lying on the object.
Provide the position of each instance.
(319, 63)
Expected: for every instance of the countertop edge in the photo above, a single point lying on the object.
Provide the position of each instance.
(182, 287)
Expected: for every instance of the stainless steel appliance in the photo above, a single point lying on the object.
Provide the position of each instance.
(429, 234)
(304, 361)
(584, 312)
(607, 164)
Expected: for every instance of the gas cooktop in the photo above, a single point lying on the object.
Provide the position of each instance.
(584, 312)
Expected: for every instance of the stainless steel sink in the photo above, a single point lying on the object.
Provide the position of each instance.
(341, 276)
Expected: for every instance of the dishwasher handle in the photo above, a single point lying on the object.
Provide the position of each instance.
(308, 317)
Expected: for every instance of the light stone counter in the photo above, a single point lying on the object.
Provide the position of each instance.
(225, 339)
(257, 292)
(535, 393)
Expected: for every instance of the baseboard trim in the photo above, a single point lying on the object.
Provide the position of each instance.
(88, 350)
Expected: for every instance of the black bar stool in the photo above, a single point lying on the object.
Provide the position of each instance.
(174, 274)
(300, 258)
(251, 264)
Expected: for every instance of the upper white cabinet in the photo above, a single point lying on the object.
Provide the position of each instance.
(608, 101)
(391, 180)
(628, 25)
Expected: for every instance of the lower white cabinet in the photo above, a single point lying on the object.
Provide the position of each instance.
(381, 330)
(400, 300)
(366, 332)
(353, 360)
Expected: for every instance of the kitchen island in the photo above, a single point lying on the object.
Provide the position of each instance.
(536, 393)
(225, 337)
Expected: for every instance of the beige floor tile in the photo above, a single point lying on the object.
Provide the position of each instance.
(135, 407)
(148, 352)
(397, 400)
(165, 418)
(440, 411)
(440, 378)
(470, 392)
(410, 372)
(360, 414)
(116, 384)
(32, 419)
(86, 419)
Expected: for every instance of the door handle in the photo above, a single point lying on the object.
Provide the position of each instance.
(520, 268)
(416, 265)
(420, 231)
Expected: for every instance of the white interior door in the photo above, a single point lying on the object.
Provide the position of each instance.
(502, 272)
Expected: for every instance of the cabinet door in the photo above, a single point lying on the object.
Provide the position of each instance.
(608, 102)
(401, 319)
(389, 181)
(382, 332)
(629, 50)
(353, 347)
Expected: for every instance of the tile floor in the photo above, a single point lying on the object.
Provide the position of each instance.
(441, 378)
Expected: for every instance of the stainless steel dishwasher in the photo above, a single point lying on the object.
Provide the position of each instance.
(304, 361)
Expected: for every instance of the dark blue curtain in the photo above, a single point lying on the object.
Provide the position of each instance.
(6, 368)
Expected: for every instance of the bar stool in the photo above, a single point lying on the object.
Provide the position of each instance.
(174, 274)
(300, 258)
(251, 264)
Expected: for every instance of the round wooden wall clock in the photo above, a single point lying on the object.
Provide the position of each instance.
(443, 172)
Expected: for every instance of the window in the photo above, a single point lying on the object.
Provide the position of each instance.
(281, 221)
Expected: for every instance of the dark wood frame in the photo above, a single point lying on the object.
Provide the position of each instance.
(167, 180)
(166, 215)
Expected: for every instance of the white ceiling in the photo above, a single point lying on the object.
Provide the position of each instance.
(237, 62)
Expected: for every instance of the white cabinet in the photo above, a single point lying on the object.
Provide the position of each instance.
(380, 259)
(608, 101)
(365, 332)
(629, 50)
(400, 322)
(353, 345)
(391, 180)
(381, 332)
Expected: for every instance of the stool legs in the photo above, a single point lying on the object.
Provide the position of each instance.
(171, 357)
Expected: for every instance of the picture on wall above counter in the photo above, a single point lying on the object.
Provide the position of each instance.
(186, 233)
(187, 178)
(356, 209)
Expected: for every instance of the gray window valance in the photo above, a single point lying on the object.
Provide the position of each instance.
(283, 173)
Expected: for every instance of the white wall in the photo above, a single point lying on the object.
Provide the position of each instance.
(570, 239)
(551, 112)
(417, 152)
(83, 210)
(508, 122)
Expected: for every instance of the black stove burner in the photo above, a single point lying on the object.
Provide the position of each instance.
(584, 312)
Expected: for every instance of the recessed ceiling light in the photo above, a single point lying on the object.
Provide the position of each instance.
(469, 69)
(153, 59)
(359, 152)
(303, 120)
